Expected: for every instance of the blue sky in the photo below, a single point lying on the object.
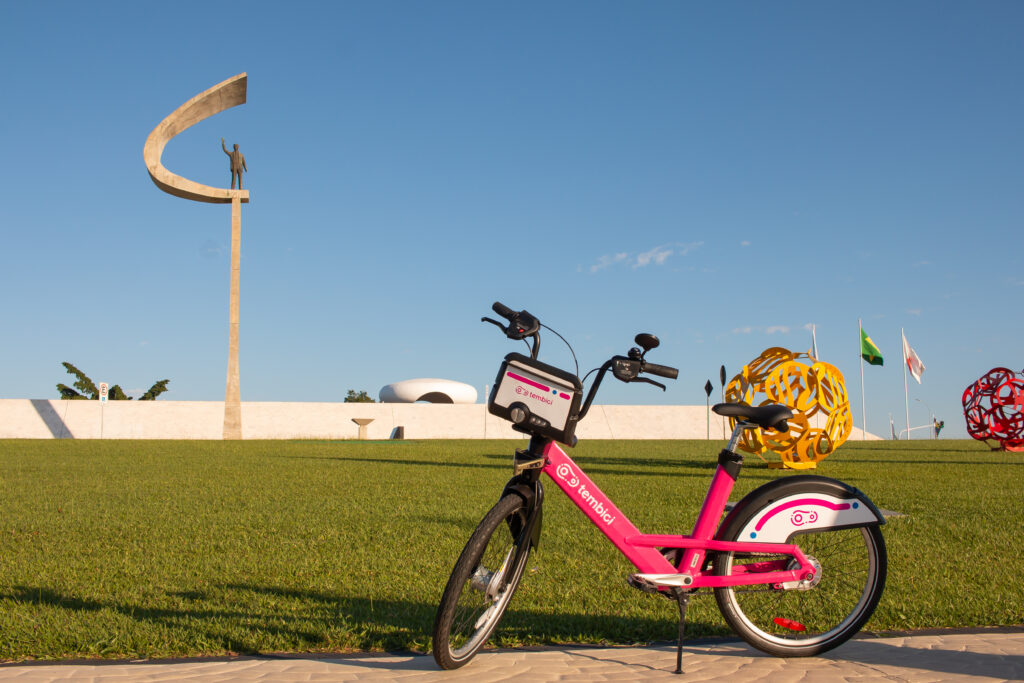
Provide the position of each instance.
(720, 174)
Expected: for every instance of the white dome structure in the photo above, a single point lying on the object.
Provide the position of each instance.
(429, 390)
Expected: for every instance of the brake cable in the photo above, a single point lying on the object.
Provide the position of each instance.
(570, 349)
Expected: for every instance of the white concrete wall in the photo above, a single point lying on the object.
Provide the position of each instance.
(56, 419)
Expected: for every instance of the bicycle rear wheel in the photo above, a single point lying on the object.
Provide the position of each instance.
(816, 616)
(482, 583)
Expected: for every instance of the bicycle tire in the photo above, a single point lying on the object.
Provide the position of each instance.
(475, 598)
(806, 622)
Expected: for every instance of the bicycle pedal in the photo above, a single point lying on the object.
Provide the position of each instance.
(634, 581)
(665, 580)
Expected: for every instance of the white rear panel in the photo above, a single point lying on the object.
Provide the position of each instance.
(803, 512)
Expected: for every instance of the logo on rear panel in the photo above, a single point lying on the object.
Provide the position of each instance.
(801, 517)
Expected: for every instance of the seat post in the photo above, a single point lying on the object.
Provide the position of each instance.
(737, 432)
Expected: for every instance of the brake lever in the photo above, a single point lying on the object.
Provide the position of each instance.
(495, 322)
(648, 381)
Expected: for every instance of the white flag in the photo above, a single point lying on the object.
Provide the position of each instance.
(914, 363)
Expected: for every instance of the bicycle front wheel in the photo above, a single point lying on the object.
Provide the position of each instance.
(806, 619)
(482, 583)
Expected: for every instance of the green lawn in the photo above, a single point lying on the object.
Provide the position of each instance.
(158, 549)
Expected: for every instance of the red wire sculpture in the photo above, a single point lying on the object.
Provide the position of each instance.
(994, 408)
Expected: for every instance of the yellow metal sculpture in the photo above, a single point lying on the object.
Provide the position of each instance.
(812, 389)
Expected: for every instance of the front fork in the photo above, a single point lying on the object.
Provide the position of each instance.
(525, 483)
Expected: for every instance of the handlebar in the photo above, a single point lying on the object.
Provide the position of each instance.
(503, 310)
(627, 369)
(522, 324)
(660, 370)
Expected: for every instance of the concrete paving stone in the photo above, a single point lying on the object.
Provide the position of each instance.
(946, 658)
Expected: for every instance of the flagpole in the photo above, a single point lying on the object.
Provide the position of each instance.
(863, 412)
(906, 393)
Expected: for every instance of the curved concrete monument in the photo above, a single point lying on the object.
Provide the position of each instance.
(429, 390)
(224, 95)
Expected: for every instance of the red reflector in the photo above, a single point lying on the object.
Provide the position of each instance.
(790, 624)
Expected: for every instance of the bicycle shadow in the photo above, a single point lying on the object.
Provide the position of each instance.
(306, 620)
(381, 623)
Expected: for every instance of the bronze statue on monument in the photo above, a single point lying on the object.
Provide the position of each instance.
(237, 164)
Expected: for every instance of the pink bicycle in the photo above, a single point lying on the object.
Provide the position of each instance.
(797, 566)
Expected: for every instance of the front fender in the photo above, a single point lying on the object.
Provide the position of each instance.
(532, 494)
(787, 507)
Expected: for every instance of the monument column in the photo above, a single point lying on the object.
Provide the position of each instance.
(233, 392)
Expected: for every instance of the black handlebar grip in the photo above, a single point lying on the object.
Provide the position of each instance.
(503, 310)
(661, 370)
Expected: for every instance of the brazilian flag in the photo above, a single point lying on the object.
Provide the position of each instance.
(868, 350)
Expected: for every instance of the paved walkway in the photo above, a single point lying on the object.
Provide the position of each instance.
(986, 656)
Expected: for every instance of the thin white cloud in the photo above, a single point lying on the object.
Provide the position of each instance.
(745, 243)
(606, 261)
(657, 256)
(771, 329)
(914, 311)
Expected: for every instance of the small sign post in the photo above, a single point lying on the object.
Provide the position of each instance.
(104, 391)
(707, 390)
(721, 377)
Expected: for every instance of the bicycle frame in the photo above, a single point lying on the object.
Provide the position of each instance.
(642, 549)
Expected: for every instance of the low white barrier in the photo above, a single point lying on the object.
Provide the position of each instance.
(57, 419)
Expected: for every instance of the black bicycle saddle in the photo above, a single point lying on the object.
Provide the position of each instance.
(766, 417)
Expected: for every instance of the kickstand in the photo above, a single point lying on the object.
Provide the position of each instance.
(683, 598)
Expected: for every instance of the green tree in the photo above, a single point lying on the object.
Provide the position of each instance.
(155, 390)
(116, 393)
(85, 389)
(83, 384)
(361, 397)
